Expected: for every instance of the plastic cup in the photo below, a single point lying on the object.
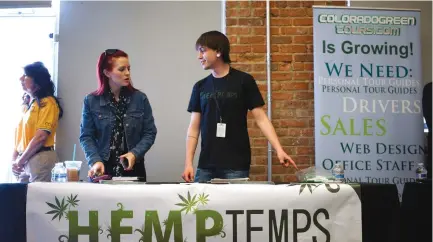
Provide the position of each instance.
(73, 170)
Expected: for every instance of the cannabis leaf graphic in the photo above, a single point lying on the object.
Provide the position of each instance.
(191, 204)
(203, 199)
(59, 209)
(194, 211)
(310, 187)
(72, 200)
(188, 204)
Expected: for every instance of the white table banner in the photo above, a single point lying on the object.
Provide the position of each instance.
(197, 212)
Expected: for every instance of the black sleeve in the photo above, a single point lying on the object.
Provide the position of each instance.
(253, 97)
(194, 101)
(427, 104)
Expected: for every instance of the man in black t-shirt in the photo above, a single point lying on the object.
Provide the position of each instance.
(219, 105)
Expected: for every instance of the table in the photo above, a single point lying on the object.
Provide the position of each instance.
(416, 212)
(13, 212)
(380, 212)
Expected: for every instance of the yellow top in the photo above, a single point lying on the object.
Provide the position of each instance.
(36, 118)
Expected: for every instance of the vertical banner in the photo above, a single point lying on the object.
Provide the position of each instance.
(367, 93)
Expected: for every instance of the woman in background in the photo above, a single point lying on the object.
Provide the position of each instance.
(26, 102)
(34, 156)
(117, 125)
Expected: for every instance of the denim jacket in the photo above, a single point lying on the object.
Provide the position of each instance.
(98, 120)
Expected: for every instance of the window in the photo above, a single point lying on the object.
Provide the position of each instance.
(25, 39)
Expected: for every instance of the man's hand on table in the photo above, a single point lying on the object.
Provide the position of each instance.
(188, 173)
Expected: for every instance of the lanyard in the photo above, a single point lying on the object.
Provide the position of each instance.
(216, 100)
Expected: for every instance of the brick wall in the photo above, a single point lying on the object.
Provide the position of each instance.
(292, 75)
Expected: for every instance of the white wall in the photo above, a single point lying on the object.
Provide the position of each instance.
(160, 39)
(425, 25)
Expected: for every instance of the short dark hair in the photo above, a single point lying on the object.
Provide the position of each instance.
(217, 41)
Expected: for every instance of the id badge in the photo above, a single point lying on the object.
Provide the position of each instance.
(221, 130)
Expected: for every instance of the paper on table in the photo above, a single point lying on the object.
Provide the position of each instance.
(234, 179)
(219, 180)
(121, 182)
(125, 178)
